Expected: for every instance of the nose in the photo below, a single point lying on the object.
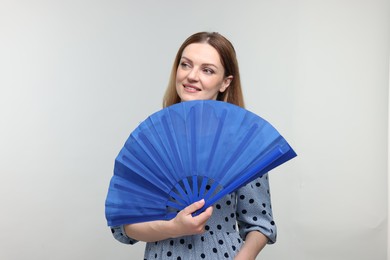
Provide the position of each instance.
(193, 75)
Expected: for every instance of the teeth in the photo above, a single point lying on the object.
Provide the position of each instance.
(191, 88)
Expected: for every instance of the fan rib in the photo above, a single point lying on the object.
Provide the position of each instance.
(188, 190)
(233, 158)
(139, 172)
(192, 125)
(158, 162)
(176, 156)
(195, 191)
(182, 193)
(210, 192)
(175, 205)
(221, 122)
(257, 170)
(202, 189)
(177, 197)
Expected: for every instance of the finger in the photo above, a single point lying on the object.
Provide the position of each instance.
(194, 207)
(205, 215)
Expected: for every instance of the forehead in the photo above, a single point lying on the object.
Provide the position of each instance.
(202, 53)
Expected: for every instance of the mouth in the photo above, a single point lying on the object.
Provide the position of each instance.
(191, 88)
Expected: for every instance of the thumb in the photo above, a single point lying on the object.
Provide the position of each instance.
(194, 207)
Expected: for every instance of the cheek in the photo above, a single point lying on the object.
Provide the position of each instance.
(213, 84)
(180, 74)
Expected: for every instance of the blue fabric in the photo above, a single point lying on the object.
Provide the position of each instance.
(249, 207)
(186, 152)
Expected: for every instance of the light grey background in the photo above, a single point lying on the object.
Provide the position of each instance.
(76, 77)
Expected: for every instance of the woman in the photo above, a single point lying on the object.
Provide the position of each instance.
(206, 67)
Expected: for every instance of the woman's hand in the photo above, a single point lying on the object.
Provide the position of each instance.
(183, 224)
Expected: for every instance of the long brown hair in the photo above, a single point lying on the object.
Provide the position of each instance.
(233, 94)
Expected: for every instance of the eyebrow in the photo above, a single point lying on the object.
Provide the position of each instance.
(203, 64)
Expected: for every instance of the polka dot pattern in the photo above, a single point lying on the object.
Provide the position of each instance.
(249, 207)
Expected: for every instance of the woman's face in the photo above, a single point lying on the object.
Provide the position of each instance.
(200, 74)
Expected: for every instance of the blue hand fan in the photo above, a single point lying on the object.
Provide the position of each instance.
(186, 152)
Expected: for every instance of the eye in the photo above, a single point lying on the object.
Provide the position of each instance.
(208, 71)
(185, 65)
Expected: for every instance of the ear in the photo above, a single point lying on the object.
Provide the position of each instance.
(226, 83)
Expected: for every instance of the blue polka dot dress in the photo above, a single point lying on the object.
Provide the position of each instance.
(247, 209)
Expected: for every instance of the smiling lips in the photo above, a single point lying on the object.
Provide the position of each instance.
(191, 88)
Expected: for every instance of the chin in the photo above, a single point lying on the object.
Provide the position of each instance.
(184, 98)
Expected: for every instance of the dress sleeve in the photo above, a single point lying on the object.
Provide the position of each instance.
(119, 234)
(254, 210)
